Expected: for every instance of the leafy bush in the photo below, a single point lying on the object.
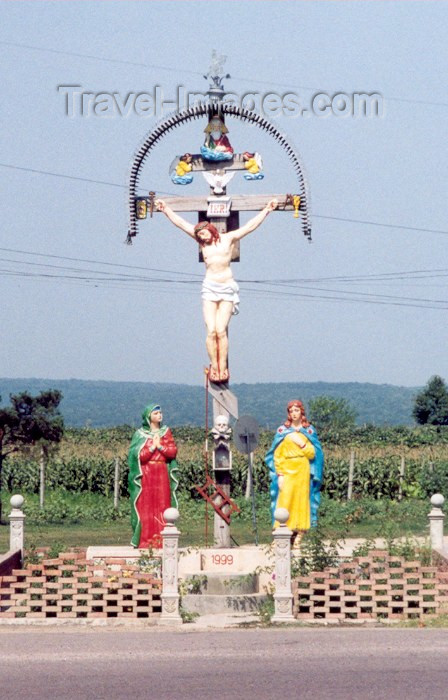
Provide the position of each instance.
(318, 550)
(435, 480)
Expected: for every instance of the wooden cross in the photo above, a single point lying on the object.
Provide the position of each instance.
(222, 210)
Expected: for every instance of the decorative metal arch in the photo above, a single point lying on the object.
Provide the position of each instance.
(200, 110)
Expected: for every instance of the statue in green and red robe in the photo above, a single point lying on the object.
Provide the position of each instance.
(152, 478)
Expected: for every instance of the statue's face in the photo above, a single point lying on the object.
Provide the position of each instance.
(216, 128)
(156, 416)
(295, 413)
(204, 236)
(222, 423)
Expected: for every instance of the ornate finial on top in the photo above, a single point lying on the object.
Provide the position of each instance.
(216, 75)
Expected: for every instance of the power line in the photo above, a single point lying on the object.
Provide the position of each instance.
(68, 177)
(371, 277)
(89, 283)
(259, 292)
(378, 223)
(317, 216)
(249, 81)
(361, 301)
(361, 297)
(319, 90)
(367, 278)
(74, 177)
(99, 58)
(364, 294)
(89, 278)
(99, 262)
(123, 276)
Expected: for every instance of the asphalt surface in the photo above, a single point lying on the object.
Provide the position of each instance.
(288, 663)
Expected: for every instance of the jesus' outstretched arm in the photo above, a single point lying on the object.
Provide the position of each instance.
(175, 218)
(255, 222)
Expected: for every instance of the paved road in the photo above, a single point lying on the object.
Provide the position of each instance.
(310, 664)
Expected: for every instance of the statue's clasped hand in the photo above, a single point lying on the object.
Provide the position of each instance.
(298, 439)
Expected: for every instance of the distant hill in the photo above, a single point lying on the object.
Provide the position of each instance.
(104, 403)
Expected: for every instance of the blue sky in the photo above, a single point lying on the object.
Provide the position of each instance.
(390, 170)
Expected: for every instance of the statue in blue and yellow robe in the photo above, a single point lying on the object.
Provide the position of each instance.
(302, 472)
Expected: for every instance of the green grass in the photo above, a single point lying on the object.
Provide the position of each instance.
(439, 621)
(78, 535)
(82, 519)
(370, 517)
(91, 533)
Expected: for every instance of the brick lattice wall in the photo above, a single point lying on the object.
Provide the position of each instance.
(377, 586)
(72, 587)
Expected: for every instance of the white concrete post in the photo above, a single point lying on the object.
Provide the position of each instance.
(436, 518)
(16, 524)
(170, 594)
(282, 550)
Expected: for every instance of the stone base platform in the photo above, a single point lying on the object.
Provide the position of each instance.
(238, 560)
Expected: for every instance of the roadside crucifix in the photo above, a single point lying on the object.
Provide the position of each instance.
(218, 233)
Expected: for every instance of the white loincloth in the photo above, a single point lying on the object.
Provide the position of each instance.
(222, 291)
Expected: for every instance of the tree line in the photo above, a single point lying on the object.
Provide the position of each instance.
(107, 404)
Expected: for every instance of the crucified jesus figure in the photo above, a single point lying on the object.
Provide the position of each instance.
(219, 289)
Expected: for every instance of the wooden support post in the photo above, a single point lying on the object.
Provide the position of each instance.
(42, 477)
(224, 403)
(400, 481)
(116, 482)
(351, 470)
(221, 530)
(250, 470)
